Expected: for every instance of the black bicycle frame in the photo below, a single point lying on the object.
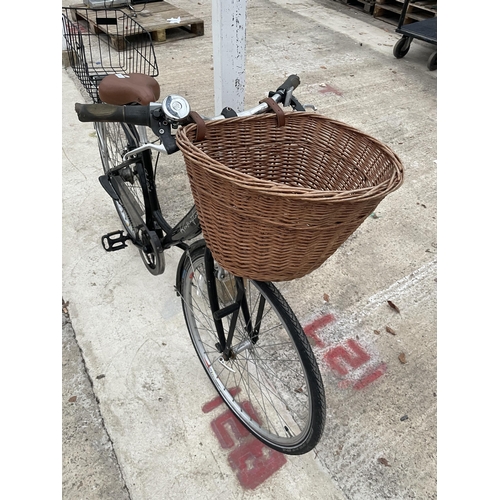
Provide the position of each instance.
(187, 228)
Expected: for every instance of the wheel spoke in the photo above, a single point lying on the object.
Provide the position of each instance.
(280, 396)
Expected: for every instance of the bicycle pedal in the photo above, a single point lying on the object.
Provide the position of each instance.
(114, 241)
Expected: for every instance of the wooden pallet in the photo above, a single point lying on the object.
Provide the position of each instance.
(388, 10)
(156, 18)
(365, 5)
(163, 21)
(418, 10)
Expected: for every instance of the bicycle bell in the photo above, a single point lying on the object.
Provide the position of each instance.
(176, 107)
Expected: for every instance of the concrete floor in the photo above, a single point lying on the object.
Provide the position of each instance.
(136, 429)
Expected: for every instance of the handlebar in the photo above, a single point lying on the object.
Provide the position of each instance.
(292, 82)
(141, 115)
(160, 117)
(135, 115)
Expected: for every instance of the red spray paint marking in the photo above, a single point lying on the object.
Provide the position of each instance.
(252, 461)
(311, 328)
(344, 359)
(371, 377)
(226, 426)
(328, 89)
(365, 380)
(211, 405)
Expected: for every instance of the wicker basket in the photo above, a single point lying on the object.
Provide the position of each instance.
(275, 202)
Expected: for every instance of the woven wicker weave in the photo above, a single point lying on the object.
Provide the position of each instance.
(275, 202)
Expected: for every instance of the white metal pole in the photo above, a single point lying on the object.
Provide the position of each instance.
(229, 45)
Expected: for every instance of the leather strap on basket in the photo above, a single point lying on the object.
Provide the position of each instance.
(280, 114)
(201, 127)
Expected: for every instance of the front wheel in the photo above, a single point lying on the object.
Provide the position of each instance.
(271, 381)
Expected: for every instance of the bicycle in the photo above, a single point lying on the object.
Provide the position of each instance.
(246, 336)
(249, 341)
(312, 181)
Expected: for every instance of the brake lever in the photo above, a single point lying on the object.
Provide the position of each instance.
(294, 102)
(163, 129)
(312, 106)
(291, 100)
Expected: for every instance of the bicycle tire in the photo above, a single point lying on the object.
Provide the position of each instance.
(114, 141)
(275, 390)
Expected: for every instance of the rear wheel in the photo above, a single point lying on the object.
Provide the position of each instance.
(271, 381)
(114, 141)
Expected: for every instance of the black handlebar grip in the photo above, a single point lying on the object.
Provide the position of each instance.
(292, 81)
(135, 115)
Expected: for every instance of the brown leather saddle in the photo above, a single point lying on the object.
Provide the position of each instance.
(122, 88)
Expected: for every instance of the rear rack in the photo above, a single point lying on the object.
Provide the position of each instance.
(104, 42)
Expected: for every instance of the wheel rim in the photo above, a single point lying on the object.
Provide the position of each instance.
(265, 383)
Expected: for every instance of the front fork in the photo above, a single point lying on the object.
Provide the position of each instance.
(225, 344)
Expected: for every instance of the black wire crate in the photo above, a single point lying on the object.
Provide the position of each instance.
(104, 42)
